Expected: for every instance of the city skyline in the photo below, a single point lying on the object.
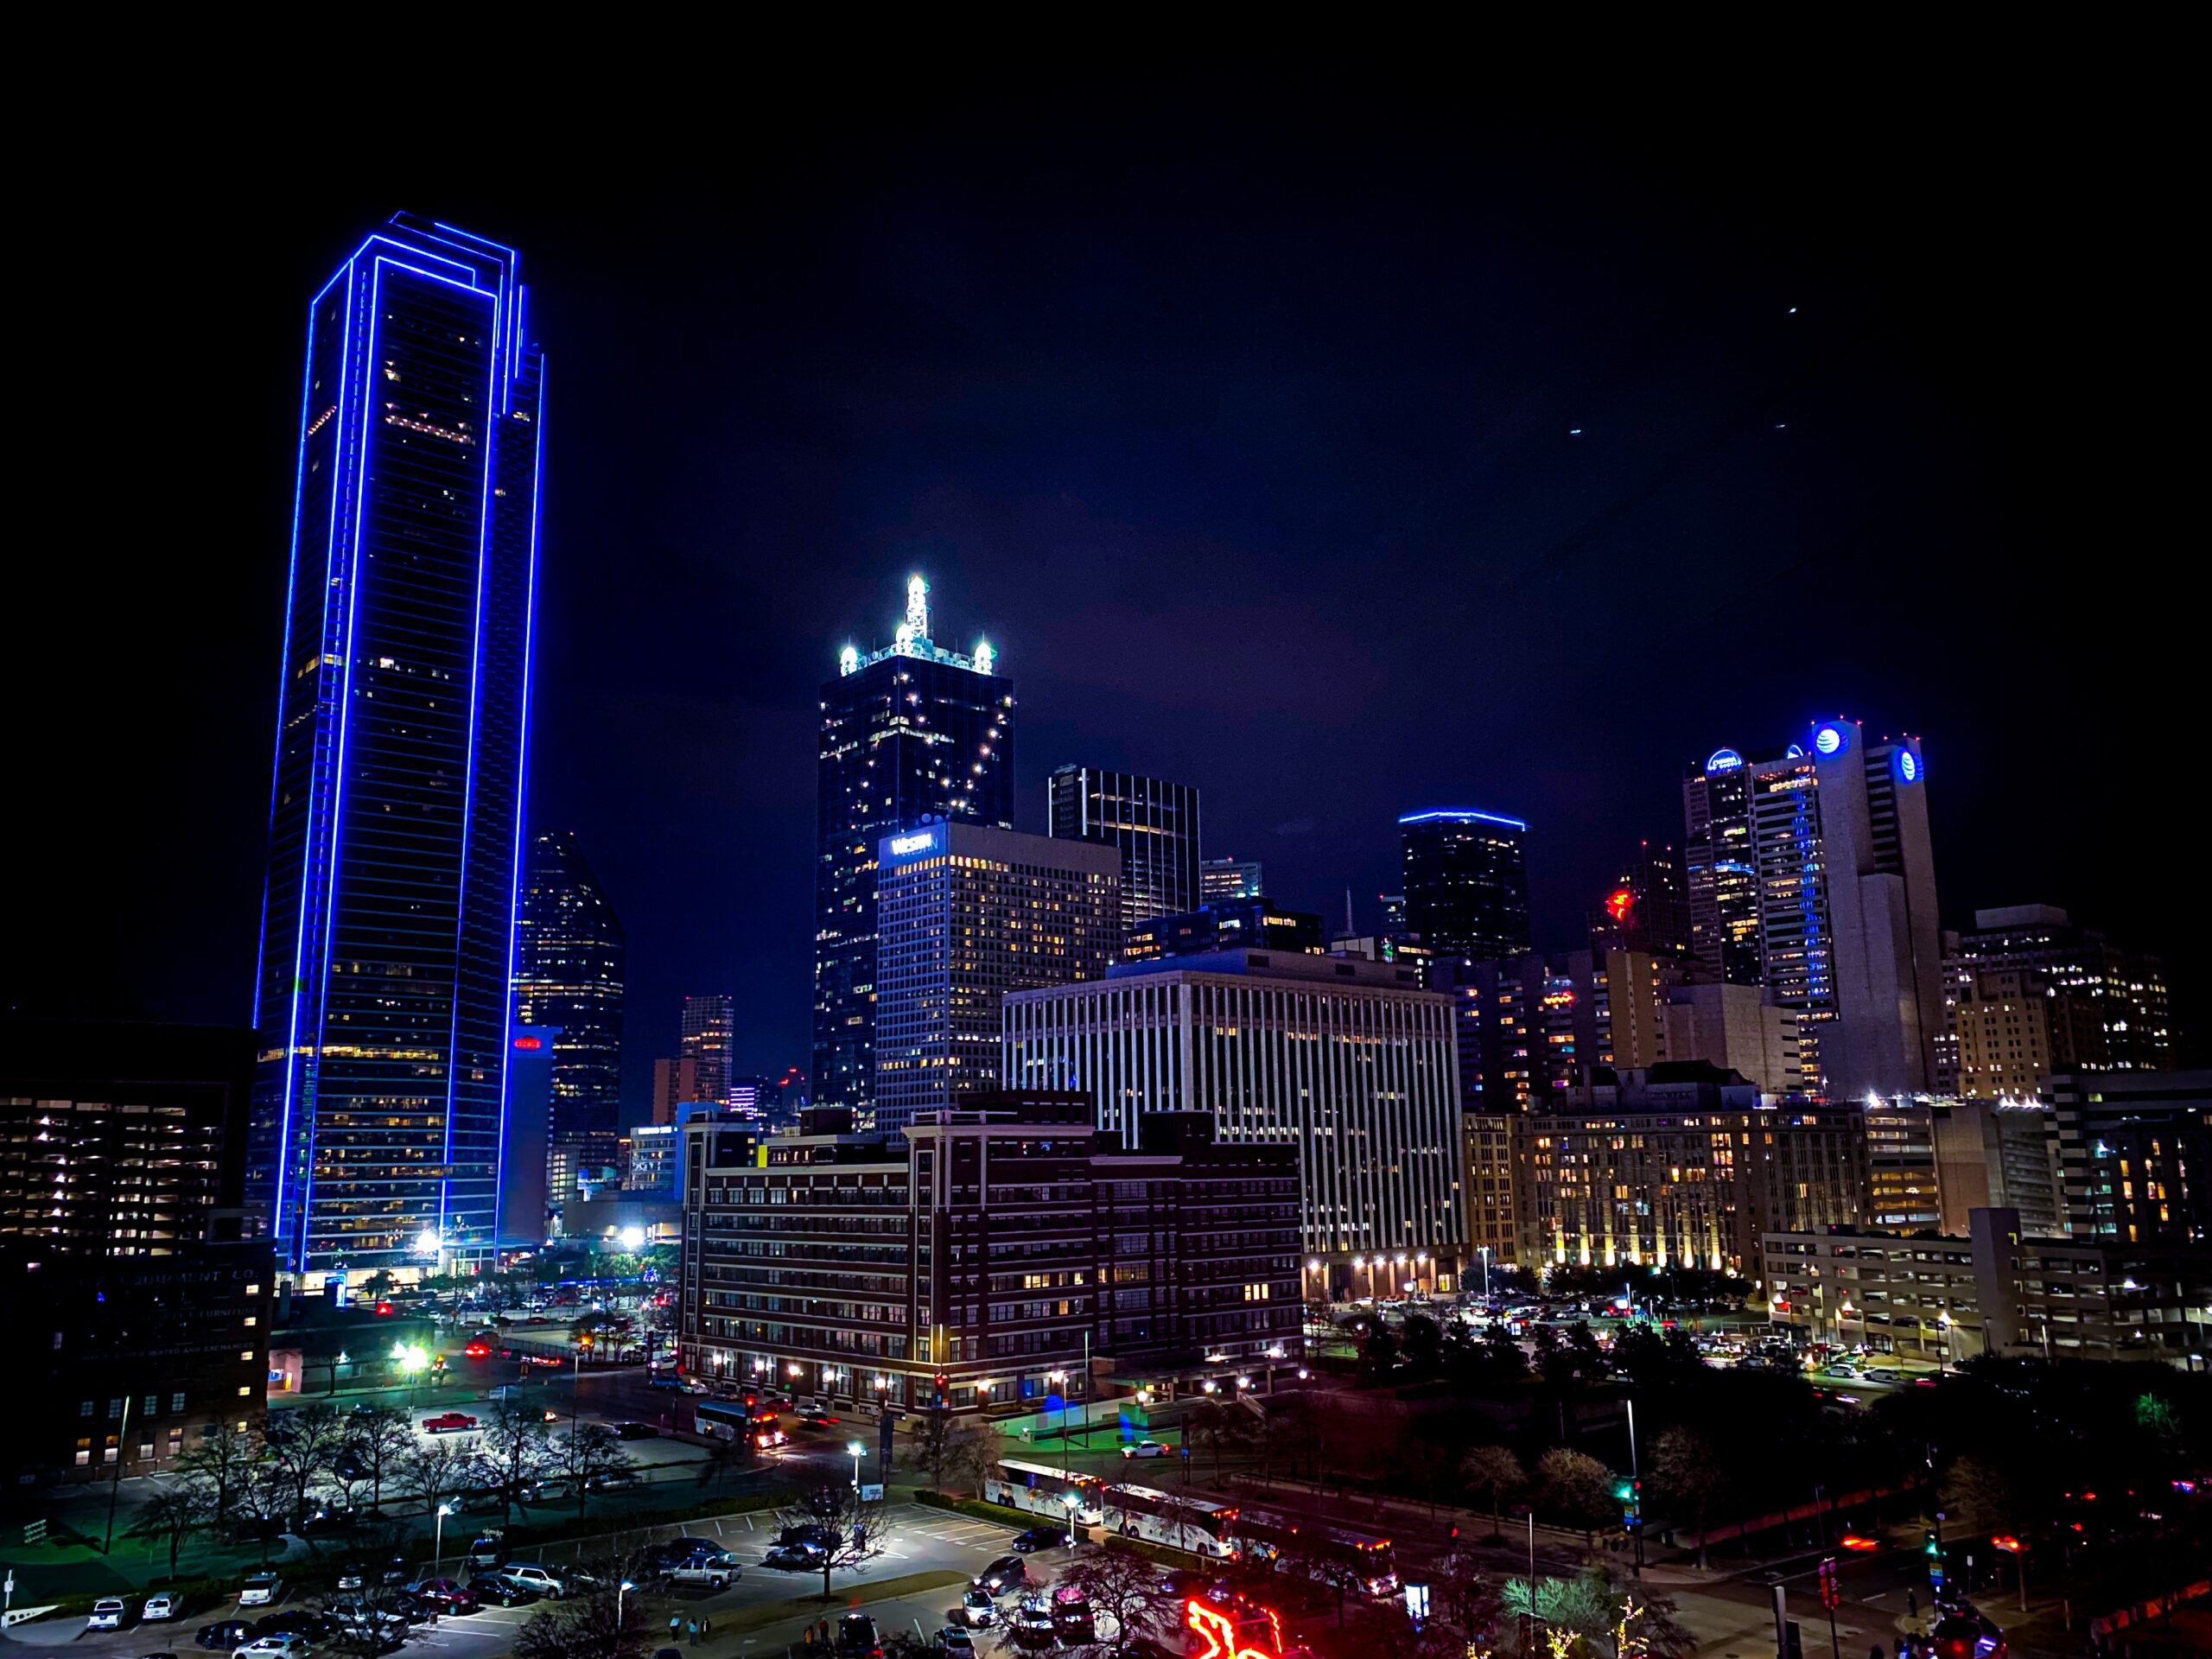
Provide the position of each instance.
(1319, 624)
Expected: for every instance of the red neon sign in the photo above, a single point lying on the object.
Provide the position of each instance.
(1618, 903)
(530, 1042)
(1219, 1631)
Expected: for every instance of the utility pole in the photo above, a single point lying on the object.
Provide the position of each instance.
(115, 1491)
(1636, 1487)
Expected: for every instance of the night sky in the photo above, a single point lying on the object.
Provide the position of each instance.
(1243, 425)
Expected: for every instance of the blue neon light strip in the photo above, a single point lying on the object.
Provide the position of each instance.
(1462, 812)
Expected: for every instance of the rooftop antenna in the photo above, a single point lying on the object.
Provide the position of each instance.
(1350, 928)
(917, 606)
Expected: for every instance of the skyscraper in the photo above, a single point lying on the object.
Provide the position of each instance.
(1646, 908)
(710, 1029)
(1847, 920)
(2126, 989)
(395, 846)
(1718, 870)
(909, 733)
(570, 953)
(1466, 884)
(1153, 825)
(964, 915)
(1221, 878)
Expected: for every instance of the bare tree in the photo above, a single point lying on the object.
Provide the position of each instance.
(1115, 1579)
(261, 1499)
(221, 1458)
(1214, 1423)
(1686, 1469)
(513, 1452)
(591, 1454)
(171, 1516)
(437, 1471)
(601, 1623)
(300, 1445)
(1494, 1472)
(379, 1438)
(854, 1523)
(957, 1455)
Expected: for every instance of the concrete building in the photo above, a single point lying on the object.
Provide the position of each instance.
(2126, 989)
(1720, 871)
(536, 1064)
(1904, 1192)
(1678, 1165)
(1535, 1026)
(967, 914)
(985, 1257)
(1230, 925)
(1230, 878)
(1996, 1289)
(2011, 1028)
(1493, 1212)
(2135, 1154)
(1466, 887)
(1992, 1156)
(1848, 928)
(1348, 1062)
(678, 1083)
(1646, 909)
(1739, 1028)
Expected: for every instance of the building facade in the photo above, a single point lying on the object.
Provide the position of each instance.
(382, 997)
(1997, 1156)
(1151, 824)
(1646, 909)
(1537, 1026)
(705, 1039)
(2011, 1028)
(2126, 989)
(910, 732)
(1848, 928)
(1467, 886)
(1230, 878)
(1994, 1288)
(965, 916)
(982, 1257)
(2134, 1148)
(570, 957)
(1720, 872)
(1348, 1062)
(1738, 1027)
(1230, 925)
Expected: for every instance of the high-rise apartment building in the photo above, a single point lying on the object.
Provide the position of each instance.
(965, 915)
(1347, 1061)
(569, 960)
(1151, 824)
(1739, 1028)
(2011, 1028)
(1233, 924)
(1538, 1025)
(1466, 883)
(705, 1039)
(1719, 870)
(1646, 909)
(2005, 1157)
(910, 732)
(2125, 989)
(387, 956)
(1221, 878)
(2134, 1150)
(1848, 923)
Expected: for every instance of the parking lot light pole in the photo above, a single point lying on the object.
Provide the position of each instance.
(621, 1590)
(438, 1554)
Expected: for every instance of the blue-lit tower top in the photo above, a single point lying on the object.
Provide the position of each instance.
(1466, 882)
(396, 815)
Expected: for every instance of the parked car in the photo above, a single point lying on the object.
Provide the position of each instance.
(1145, 1449)
(716, 1568)
(1033, 1622)
(817, 1419)
(108, 1614)
(260, 1589)
(352, 1576)
(167, 1605)
(326, 1518)
(284, 1645)
(794, 1558)
(955, 1641)
(1037, 1538)
(489, 1549)
(224, 1633)
(1007, 1572)
(448, 1422)
(446, 1594)
(818, 1534)
(636, 1431)
(395, 1570)
(978, 1609)
(499, 1591)
(673, 1384)
(533, 1576)
(857, 1637)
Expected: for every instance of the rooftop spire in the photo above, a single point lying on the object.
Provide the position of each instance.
(918, 607)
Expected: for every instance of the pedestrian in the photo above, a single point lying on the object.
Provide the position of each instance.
(691, 1631)
(706, 1629)
(1875, 1652)
(675, 1623)
(1911, 1602)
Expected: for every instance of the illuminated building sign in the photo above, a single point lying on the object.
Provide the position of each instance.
(1907, 767)
(1829, 740)
(529, 1043)
(1723, 760)
(1620, 902)
(906, 846)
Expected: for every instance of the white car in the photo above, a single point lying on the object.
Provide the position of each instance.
(162, 1606)
(1145, 1449)
(286, 1645)
(260, 1589)
(531, 1576)
(108, 1614)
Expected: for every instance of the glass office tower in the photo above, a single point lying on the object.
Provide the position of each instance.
(395, 840)
(909, 733)
(1153, 826)
(1466, 883)
(569, 956)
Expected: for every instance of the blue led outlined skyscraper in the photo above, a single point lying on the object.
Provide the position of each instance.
(909, 733)
(395, 833)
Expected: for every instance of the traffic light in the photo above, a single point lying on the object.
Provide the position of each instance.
(1630, 1494)
(1831, 1597)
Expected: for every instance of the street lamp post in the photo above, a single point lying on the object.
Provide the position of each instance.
(1059, 1381)
(438, 1555)
(621, 1590)
(1944, 1319)
(1484, 1250)
(854, 1449)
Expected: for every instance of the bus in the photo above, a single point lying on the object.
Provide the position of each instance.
(1197, 1524)
(1277, 1537)
(1043, 1490)
(732, 1420)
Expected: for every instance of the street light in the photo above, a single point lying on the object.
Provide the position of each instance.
(854, 1449)
(1484, 1250)
(1060, 1380)
(621, 1590)
(438, 1556)
(1074, 1503)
